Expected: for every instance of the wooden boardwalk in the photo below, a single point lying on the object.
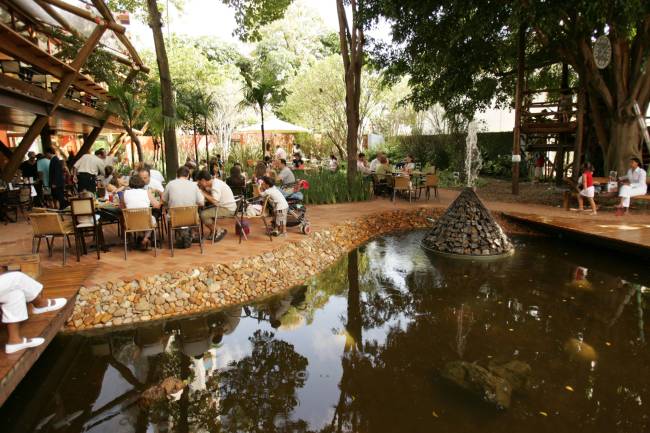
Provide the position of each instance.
(62, 282)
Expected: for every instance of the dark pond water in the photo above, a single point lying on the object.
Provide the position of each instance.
(360, 349)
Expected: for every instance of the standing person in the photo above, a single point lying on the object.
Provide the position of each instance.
(43, 168)
(28, 167)
(16, 291)
(86, 171)
(280, 153)
(588, 190)
(56, 178)
(285, 174)
(539, 167)
(633, 184)
(297, 150)
(218, 194)
(279, 203)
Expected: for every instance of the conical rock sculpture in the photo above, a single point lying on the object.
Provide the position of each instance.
(467, 228)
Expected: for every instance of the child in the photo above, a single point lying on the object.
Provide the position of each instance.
(280, 205)
(587, 182)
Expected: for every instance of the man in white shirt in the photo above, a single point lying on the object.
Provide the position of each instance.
(150, 183)
(155, 174)
(285, 174)
(220, 199)
(375, 162)
(86, 170)
(635, 184)
(182, 191)
(280, 153)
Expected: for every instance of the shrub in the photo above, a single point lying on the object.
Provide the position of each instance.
(326, 187)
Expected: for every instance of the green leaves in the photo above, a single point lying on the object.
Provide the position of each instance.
(251, 15)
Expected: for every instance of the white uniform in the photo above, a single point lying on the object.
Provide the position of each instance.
(16, 290)
(637, 186)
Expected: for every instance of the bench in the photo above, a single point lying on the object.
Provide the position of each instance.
(29, 264)
(574, 191)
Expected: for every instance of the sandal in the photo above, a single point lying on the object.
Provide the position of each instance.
(25, 344)
(52, 305)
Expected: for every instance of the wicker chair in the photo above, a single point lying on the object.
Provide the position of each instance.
(184, 217)
(50, 225)
(403, 184)
(137, 221)
(85, 222)
(430, 182)
(262, 216)
(238, 210)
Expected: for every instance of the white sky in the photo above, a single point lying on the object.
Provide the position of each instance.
(213, 18)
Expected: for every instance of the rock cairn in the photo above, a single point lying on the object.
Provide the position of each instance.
(198, 289)
(468, 228)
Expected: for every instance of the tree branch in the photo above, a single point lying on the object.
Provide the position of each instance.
(594, 77)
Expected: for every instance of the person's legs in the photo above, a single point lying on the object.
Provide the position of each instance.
(14, 310)
(625, 192)
(592, 202)
(207, 218)
(581, 203)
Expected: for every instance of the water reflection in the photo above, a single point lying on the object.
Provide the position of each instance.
(359, 349)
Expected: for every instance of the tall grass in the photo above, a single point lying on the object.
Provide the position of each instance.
(326, 187)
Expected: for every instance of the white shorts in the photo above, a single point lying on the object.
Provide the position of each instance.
(16, 290)
(588, 192)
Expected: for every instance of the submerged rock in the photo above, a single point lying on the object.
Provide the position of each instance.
(578, 349)
(479, 382)
(515, 372)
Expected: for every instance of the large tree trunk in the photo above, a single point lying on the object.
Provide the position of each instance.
(624, 139)
(167, 95)
(262, 124)
(135, 140)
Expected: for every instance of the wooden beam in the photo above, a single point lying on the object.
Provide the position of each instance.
(516, 136)
(5, 150)
(19, 154)
(51, 11)
(89, 140)
(83, 13)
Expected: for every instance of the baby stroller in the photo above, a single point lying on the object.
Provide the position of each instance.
(297, 213)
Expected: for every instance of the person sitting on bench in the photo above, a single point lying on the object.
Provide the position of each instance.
(634, 184)
(16, 291)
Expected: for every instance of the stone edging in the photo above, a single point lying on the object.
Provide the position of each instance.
(204, 288)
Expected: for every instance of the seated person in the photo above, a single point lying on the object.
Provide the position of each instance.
(297, 162)
(279, 203)
(16, 291)
(137, 197)
(634, 184)
(409, 165)
(383, 170)
(260, 172)
(362, 164)
(182, 191)
(285, 174)
(236, 181)
(117, 183)
(155, 174)
(333, 163)
(220, 199)
(149, 183)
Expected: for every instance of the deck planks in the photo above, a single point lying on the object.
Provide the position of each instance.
(57, 282)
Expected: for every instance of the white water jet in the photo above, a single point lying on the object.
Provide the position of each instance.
(473, 160)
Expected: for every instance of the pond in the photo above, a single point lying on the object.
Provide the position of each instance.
(361, 349)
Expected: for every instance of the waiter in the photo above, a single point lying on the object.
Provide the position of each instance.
(86, 169)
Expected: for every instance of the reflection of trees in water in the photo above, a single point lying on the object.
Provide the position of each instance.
(258, 392)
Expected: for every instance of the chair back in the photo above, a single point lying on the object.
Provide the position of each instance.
(84, 206)
(401, 182)
(25, 195)
(431, 170)
(184, 216)
(46, 223)
(137, 219)
(431, 180)
(256, 189)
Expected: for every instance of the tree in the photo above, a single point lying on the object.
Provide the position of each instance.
(352, 40)
(125, 104)
(316, 97)
(191, 107)
(462, 55)
(263, 88)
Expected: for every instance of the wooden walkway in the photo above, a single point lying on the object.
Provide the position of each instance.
(58, 282)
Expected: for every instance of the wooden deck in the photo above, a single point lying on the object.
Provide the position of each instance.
(62, 283)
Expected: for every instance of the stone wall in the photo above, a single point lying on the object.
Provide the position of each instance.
(194, 290)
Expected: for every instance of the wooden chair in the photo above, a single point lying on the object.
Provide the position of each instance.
(184, 217)
(262, 216)
(137, 221)
(50, 225)
(402, 184)
(85, 222)
(239, 203)
(430, 182)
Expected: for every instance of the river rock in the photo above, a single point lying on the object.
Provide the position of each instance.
(515, 372)
(479, 382)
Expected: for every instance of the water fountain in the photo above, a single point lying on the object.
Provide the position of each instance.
(467, 229)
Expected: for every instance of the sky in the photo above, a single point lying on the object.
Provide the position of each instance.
(212, 18)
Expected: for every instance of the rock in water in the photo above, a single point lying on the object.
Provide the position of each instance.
(479, 382)
(578, 349)
(468, 228)
(515, 372)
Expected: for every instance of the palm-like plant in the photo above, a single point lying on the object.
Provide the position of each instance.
(262, 88)
(195, 105)
(127, 105)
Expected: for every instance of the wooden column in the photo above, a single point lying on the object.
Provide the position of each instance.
(5, 150)
(516, 136)
(40, 121)
(560, 156)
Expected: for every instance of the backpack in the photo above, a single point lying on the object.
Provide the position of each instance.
(245, 225)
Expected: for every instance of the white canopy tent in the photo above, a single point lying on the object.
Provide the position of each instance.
(275, 126)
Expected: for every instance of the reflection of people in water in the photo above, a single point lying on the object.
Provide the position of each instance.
(151, 340)
(280, 306)
(199, 334)
(580, 280)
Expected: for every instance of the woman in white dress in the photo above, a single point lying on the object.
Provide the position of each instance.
(136, 197)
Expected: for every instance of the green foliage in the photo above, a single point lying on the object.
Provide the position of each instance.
(251, 15)
(326, 187)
